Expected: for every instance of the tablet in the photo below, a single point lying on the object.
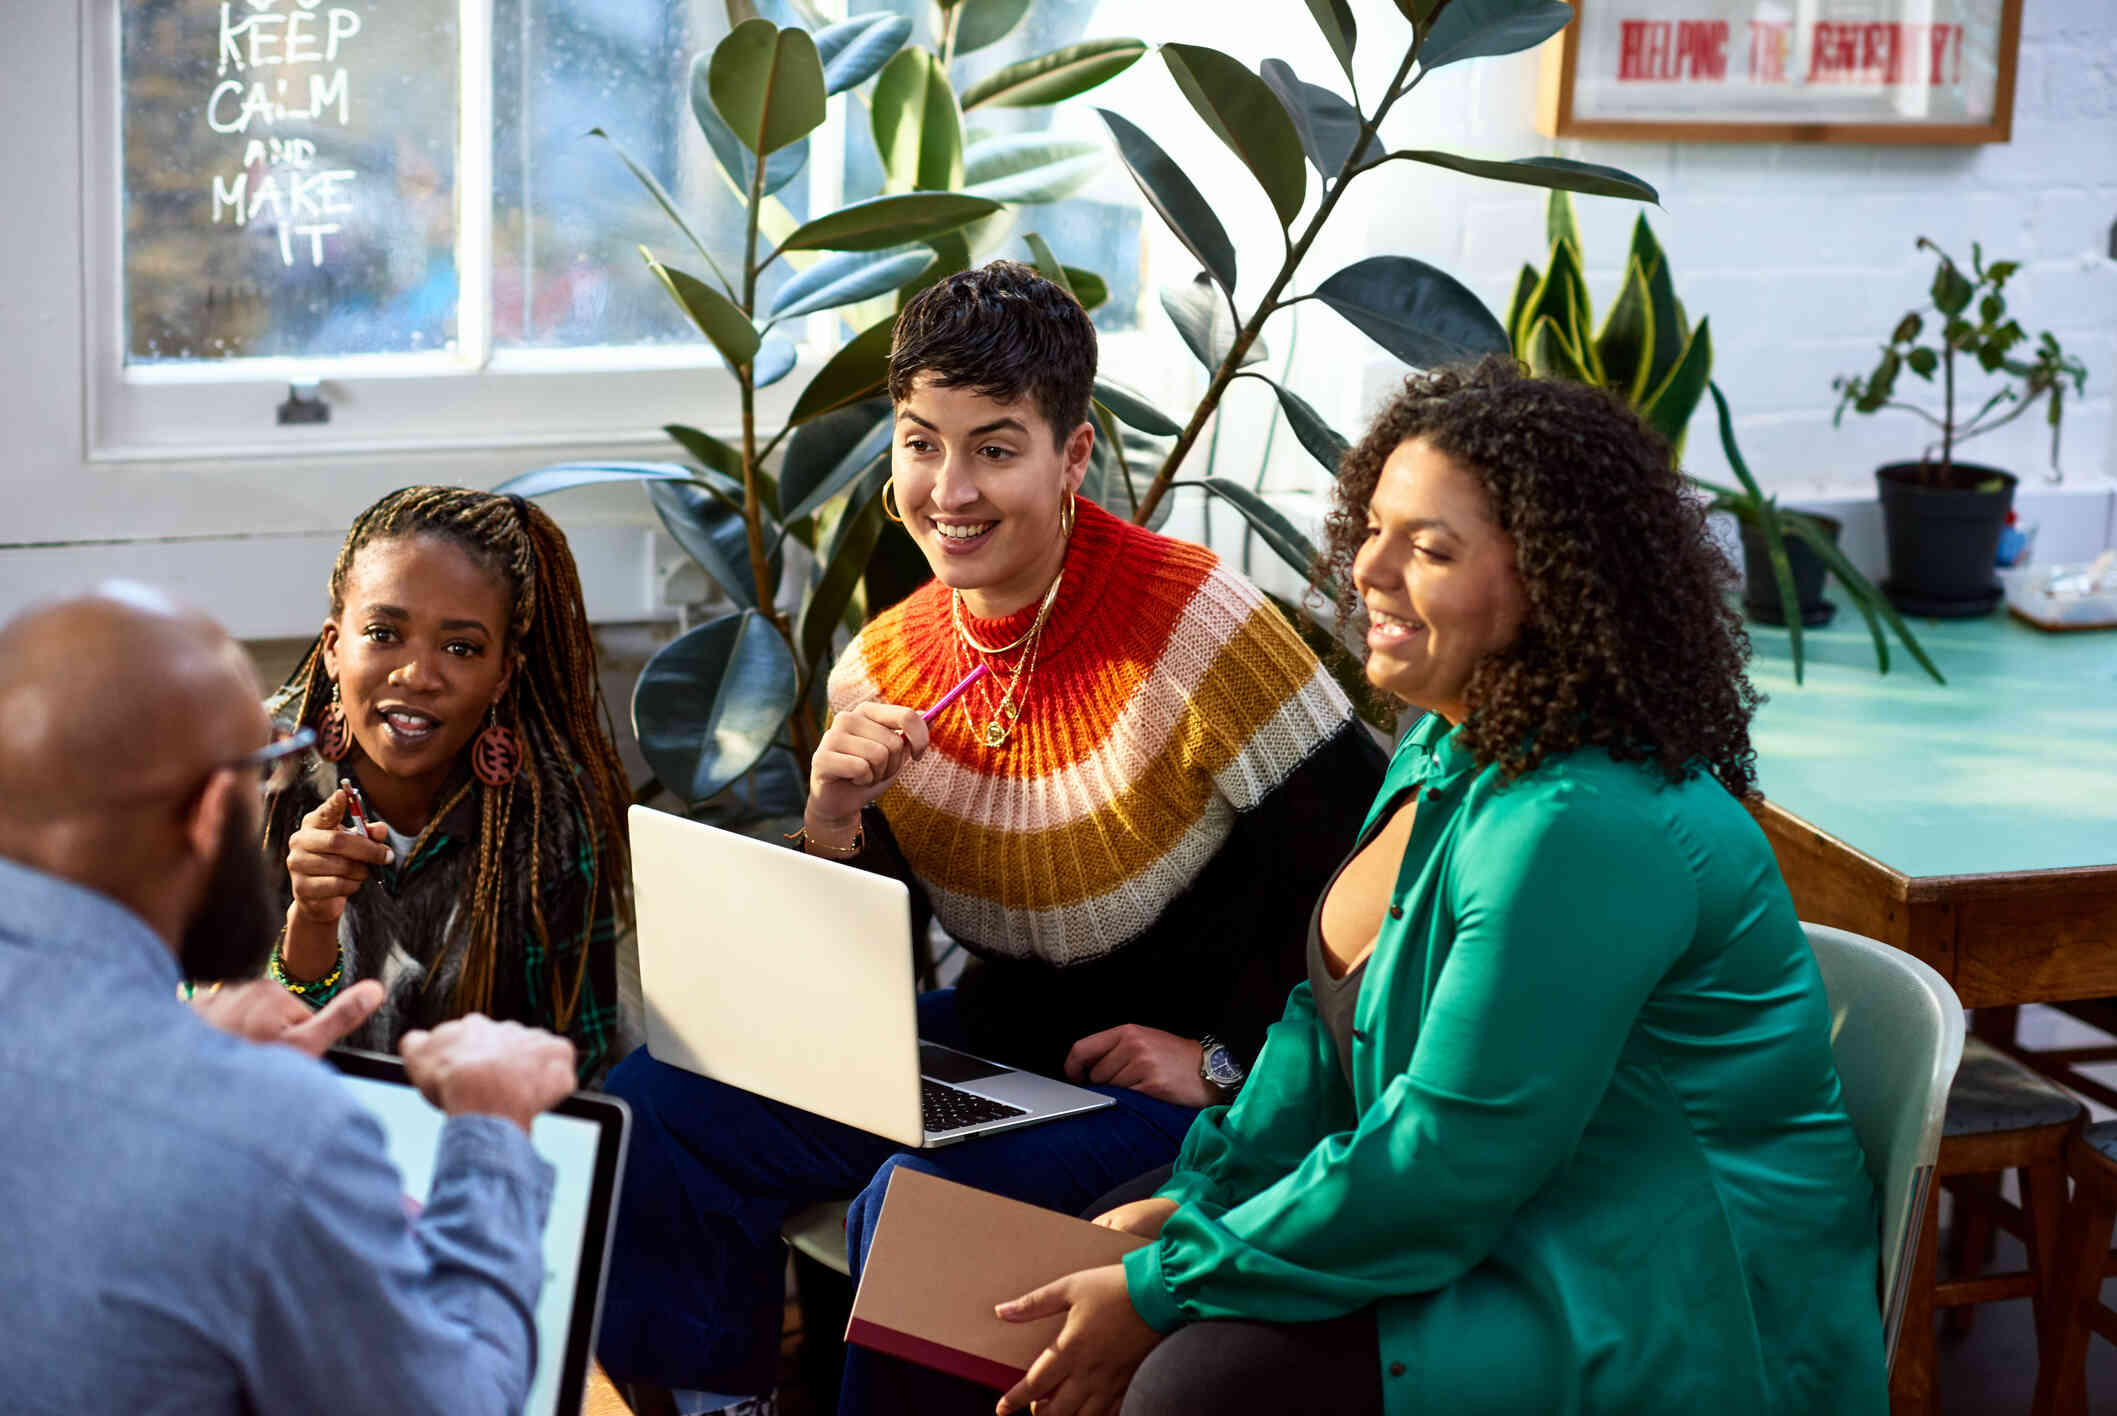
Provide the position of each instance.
(584, 1139)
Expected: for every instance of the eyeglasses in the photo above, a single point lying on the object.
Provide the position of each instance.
(277, 763)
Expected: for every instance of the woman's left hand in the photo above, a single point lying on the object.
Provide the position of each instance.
(1145, 1059)
(1085, 1370)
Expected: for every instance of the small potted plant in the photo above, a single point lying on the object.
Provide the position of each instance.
(1648, 352)
(1943, 516)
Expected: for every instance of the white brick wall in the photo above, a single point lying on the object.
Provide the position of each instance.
(1802, 255)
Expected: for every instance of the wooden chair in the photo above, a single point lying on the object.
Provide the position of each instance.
(2001, 1116)
(2084, 1247)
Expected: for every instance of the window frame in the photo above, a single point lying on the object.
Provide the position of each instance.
(467, 399)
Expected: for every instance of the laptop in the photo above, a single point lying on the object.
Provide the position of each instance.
(584, 1139)
(791, 976)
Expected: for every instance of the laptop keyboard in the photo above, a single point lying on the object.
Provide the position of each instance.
(948, 1108)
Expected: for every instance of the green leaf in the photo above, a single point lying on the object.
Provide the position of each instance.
(1869, 599)
(1088, 287)
(1109, 464)
(843, 564)
(987, 22)
(881, 222)
(775, 360)
(1560, 174)
(1174, 199)
(1047, 265)
(1486, 29)
(1923, 361)
(1766, 519)
(1422, 315)
(1053, 77)
(718, 457)
(855, 50)
(859, 370)
(1335, 19)
(1525, 287)
(564, 476)
(1271, 524)
(712, 533)
(1951, 290)
(1669, 407)
(826, 456)
(1670, 329)
(1561, 296)
(661, 196)
(918, 130)
(1244, 114)
(767, 84)
(710, 704)
(735, 159)
(1559, 224)
(1322, 441)
(1202, 318)
(1625, 347)
(1550, 354)
(847, 279)
(726, 327)
(1328, 126)
(1027, 168)
(1134, 410)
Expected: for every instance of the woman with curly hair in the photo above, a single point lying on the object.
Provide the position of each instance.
(454, 696)
(1553, 1125)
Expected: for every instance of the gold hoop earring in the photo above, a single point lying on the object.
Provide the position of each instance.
(1068, 515)
(887, 509)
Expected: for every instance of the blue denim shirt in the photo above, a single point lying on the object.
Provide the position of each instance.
(192, 1223)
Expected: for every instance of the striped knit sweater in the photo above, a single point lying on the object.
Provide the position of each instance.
(1169, 700)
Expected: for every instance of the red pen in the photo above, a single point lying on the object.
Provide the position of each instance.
(954, 693)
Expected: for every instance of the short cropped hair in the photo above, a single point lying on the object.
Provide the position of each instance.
(1004, 332)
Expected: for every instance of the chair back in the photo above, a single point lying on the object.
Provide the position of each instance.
(1896, 1030)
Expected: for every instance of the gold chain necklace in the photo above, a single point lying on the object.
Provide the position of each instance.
(1002, 716)
(1043, 612)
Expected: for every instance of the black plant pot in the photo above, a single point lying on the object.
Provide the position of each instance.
(1943, 535)
(1760, 592)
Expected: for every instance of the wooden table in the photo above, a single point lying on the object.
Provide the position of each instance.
(1972, 825)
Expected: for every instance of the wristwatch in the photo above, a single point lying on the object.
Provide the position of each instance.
(1218, 1066)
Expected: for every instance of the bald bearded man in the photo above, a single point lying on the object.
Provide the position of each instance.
(195, 1222)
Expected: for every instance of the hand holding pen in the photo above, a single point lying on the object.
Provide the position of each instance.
(329, 858)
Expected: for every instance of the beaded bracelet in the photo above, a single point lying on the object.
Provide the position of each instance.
(316, 992)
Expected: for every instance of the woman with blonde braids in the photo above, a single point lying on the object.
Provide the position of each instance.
(457, 711)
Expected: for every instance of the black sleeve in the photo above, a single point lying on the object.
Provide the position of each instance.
(1292, 843)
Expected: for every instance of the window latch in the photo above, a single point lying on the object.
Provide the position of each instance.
(304, 405)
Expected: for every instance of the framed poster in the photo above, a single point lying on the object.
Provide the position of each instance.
(1816, 71)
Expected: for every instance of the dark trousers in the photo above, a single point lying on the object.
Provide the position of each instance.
(697, 1266)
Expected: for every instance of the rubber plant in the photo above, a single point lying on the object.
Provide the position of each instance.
(1647, 352)
(742, 691)
(1280, 126)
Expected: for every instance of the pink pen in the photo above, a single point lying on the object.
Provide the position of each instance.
(356, 809)
(954, 693)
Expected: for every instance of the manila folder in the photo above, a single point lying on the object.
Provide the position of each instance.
(944, 1255)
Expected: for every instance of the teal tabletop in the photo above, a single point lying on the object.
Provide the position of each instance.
(2011, 766)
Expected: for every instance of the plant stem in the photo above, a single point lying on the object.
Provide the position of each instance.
(1947, 405)
(1268, 306)
(746, 380)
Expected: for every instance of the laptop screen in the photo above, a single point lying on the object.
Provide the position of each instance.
(583, 1139)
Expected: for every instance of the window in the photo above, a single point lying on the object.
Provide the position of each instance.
(403, 204)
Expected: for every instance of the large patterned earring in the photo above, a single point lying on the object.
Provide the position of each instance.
(333, 738)
(497, 754)
(888, 510)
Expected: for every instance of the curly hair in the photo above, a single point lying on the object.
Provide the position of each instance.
(1001, 331)
(570, 772)
(1629, 641)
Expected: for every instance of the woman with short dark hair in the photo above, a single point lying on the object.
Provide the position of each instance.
(1553, 1125)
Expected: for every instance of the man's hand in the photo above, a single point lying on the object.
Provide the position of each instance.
(477, 1067)
(1085, 1370)
(1142, 1217)
(261, 1011)
(1145, 1059)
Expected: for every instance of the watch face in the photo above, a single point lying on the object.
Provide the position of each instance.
(1220, 1068)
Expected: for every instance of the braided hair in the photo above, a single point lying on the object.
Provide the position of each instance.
(575, 785)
